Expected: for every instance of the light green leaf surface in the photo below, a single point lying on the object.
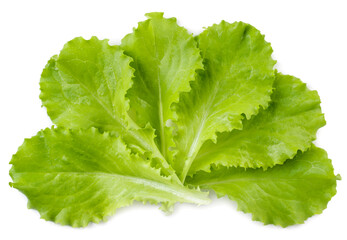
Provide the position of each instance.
(274, 135)
(237, 80)
(85, 86)
(283, 195)
(165, 59)
(74, 177)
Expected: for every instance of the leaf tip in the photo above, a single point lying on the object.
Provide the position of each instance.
(152, 15)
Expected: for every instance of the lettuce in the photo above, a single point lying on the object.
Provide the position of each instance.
(237, 81)
(164, 115)
(165, 58)
(274, 135)
(283, 195)
(74, 177)
(85, 86)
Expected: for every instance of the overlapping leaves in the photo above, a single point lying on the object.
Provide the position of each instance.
(163, 115)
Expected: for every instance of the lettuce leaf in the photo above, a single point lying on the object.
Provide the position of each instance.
(283, 195)
(74, 177)
(274, 135)
(165, 59)
(237, 81)
(85, 87)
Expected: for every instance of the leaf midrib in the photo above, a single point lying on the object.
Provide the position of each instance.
(190, 157)
(160, 103)
(102, 174)
(165, 187)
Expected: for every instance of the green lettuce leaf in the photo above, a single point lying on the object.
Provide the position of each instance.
(283, 195)
(74, 177)
(237, 81)
(85, 87)
(165, 59)
(274, 135)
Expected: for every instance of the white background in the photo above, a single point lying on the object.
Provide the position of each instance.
(309, 39)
